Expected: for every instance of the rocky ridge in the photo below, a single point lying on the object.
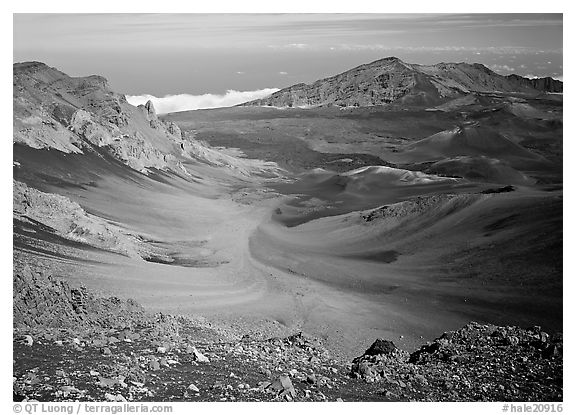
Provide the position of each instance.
(74, 114)
(70, 344)
(390, 80)
(71, 114)
(436, 205)
(61, 216)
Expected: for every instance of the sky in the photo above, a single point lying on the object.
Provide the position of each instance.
(214, 59)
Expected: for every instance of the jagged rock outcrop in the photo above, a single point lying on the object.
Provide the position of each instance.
(174, 130)
(83, 124)
(150, 114)
(392, 80)
(150, 111)
(55, 111)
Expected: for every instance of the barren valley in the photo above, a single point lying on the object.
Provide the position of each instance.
(399, 216)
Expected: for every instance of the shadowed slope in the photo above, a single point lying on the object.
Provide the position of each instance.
(432, 259)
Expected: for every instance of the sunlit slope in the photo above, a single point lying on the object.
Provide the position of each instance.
(392, 81)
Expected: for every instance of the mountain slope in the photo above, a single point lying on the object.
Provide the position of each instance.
(81, 114)
(54, 110)
(547, 84)
(467, 140)
(390, 80)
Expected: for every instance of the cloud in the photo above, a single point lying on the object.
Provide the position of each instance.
(501, 68)
(297, 45)
(283, 73)
(185, 102)
(495, 50)
(558, 77)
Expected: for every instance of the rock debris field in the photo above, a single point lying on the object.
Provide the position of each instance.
(71, 345)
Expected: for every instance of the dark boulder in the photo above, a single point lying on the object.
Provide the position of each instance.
(381, 346)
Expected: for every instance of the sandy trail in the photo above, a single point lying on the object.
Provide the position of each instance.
(246, 270)
(232, 286)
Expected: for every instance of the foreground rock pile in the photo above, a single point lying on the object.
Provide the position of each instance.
(475, 363)
(72, 345)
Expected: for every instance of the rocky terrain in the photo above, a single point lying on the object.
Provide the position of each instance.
(70, 345)
(53, 110)
(391, 80)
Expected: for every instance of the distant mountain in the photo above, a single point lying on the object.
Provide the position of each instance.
(390, 80)
(546, 84)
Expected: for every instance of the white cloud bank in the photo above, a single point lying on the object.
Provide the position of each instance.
(185, 102)
(532, 76)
